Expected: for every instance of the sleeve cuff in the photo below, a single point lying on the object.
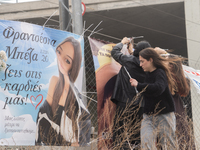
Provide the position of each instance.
(141, 86)
(119, 44)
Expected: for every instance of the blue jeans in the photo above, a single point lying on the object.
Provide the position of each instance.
(158, 129)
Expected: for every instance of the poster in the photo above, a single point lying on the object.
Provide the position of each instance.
(193, 75)
(106, 70)
(31, 63)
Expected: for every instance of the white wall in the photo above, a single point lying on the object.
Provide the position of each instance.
(192, 18)
(46, 8)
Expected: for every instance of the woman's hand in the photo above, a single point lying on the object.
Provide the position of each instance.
(133, 82)
(125, 40)
(75, 144)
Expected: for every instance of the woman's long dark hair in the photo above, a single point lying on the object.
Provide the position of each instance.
(71, 105)
(140, 46)
(159, 62)
(178, 75)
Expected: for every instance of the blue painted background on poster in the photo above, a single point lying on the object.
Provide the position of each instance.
(30, 50)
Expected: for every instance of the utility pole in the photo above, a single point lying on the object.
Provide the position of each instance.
(65, 19)
(77, 28)
(77, 21)
(64, 15)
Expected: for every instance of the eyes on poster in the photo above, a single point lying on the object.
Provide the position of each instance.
(35, 55)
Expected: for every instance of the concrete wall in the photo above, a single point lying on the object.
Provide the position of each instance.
(28, 10)
(46, 8)
(192, 18)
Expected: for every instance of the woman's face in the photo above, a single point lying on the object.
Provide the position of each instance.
(147, 65)
(65, 56)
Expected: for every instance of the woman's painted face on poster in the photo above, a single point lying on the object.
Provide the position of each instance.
(65, 56)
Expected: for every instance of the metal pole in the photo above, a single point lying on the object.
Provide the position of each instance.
(77, 28)
(77, 21)
(64, 16)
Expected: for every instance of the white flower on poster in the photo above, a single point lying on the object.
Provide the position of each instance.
(3, 59)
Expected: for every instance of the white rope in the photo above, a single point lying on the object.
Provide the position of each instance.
(95, 28)
(49, 18)
(65, 7)
(86, 30)
(88, 97)
(112, 37)
(90, 92)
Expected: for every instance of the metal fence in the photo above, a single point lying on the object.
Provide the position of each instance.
(193, 106)
(90, 83)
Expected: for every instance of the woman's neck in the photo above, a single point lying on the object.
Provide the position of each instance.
(66, 80)
(152, 69)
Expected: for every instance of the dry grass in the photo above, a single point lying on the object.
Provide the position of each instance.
(184, 135)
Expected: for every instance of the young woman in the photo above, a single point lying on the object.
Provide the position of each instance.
(182, 126)
(158, 119)
(183, 130)
(63, 119)
(127, 120)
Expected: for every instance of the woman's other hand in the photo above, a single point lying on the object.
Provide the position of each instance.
(133, 82)
(125, 40)
(75, 144)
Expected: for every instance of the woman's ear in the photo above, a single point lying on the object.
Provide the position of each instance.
(151, 60)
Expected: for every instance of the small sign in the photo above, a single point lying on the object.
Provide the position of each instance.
(83, 8)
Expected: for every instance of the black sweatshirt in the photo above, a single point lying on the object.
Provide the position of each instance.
(123, 92)
(157, 96)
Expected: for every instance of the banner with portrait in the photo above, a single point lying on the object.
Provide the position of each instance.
(193, 75)
(106, 70)
(38, 57)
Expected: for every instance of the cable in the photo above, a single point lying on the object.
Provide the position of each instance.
(168, 13)
(50, 2)
(88, 97)
(145, 28)
(112, 37)
(49, 19)
(157, 10)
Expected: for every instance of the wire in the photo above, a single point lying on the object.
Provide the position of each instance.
(88, 97)
(49, 19)
(168, 13)
(95, 28)
(84, 30)
(112, 37)
(145, 28)
(156, 10)
(51, 2)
